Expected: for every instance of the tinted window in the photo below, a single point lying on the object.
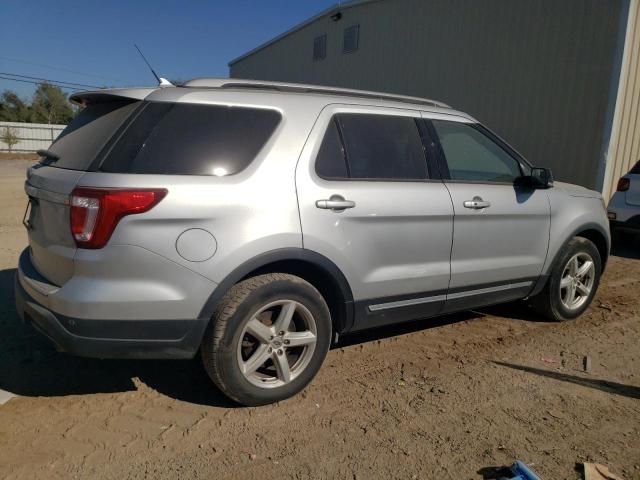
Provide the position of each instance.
(330, 162)
(473, 156)
(79, 143)
(636, 170)
(191, 139)
(383, 146)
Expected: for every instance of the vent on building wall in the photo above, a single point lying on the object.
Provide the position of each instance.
(320, 47)
(351, 38)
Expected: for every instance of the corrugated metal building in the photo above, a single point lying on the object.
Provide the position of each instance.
(557, 79)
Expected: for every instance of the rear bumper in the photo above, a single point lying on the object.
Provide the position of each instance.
(162, 339)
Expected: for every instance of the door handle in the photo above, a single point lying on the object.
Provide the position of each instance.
(476, 204)
(336, 203)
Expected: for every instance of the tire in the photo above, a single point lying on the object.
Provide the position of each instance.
(246, 328)
(554, 301)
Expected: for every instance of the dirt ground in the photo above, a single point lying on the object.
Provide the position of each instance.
(436, 399)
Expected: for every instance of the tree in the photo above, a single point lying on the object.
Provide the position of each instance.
(13, 108)
(10, 137)
(50, 105)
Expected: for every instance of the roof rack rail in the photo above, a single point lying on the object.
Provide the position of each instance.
(303, 88)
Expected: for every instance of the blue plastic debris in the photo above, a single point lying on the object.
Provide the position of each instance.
(522, 472)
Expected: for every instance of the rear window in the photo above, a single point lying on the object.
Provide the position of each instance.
(636, 170)
(79, 143)
(191, 139)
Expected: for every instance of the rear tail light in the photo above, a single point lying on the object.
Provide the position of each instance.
(95, 212)
(624, 184)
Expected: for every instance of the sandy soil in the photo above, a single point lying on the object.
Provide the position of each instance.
(436, 399)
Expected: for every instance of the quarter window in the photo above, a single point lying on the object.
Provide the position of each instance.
(86, 135)
(376, 147)
(472, 156)
(330, 162)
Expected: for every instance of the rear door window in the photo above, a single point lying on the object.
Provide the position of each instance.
(636, 169)
(383, 147)
(86, 135)
(191, 139)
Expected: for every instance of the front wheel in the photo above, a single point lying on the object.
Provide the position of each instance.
(573, 282)
(268, 339)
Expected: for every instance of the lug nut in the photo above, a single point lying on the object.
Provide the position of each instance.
(281, 333)
(280, 351)
(287, 342)
(270, 350)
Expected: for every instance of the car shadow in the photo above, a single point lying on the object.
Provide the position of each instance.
(629, 391)
(626, 245)
(518, 310)
(411, 326)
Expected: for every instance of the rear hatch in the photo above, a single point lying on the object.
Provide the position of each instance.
(50, 182)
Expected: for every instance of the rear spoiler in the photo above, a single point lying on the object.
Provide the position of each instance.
(110, 95)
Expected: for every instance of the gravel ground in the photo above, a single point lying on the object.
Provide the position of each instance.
(436, 399)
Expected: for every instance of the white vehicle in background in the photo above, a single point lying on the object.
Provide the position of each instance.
(624, 208)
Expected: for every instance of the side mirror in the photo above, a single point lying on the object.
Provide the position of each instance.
(540, 177)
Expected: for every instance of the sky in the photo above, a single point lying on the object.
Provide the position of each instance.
(91, 42)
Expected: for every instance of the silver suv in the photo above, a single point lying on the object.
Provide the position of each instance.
(252, 223)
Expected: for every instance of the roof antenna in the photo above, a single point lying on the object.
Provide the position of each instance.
(163, 82)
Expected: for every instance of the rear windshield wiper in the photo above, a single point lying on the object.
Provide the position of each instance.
(50, 156)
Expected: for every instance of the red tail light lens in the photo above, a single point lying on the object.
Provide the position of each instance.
(95, 212)
(624, 184)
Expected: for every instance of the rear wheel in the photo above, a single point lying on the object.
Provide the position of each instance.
(573, 282)
(268, 339)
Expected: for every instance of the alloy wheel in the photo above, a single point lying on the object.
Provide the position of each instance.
(578, 278)
(277, 343)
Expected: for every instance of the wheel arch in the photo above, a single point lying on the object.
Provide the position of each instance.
(591, 231)
(599, 239)
(311, 266)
